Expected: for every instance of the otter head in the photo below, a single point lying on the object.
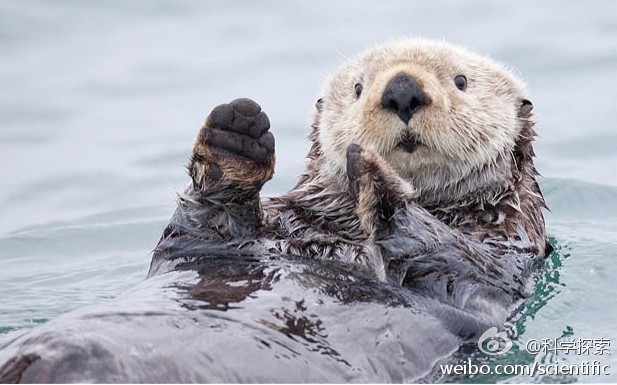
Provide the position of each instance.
(444, 118)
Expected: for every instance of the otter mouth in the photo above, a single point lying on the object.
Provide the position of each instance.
(409, 143)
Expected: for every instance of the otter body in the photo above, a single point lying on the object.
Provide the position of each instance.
(415, 227)
(421, 170)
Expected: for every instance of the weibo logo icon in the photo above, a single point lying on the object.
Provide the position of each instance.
(493, 342)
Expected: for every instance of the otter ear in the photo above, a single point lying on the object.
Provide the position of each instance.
(526, 107)
(319, 104)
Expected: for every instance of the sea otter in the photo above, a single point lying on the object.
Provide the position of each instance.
(421, 153)
(415, 227)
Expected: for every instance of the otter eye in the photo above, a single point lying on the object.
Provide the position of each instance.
(358, 87)
(460, 82)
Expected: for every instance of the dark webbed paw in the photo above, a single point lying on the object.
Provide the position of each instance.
(234, 148)
(376, 188)
(354, 166)
(241, 128)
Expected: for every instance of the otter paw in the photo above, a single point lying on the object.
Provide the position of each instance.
(371, 176)
(354, 167)
(234, 148)
(241, 128)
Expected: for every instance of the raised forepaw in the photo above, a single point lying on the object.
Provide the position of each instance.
(233, 148)
(376, 188)
(241, 127)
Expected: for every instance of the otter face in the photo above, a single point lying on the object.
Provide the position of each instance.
(435, 112)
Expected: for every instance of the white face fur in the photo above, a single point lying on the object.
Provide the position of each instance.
(458, 131)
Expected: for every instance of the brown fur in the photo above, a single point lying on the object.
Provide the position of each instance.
(433, 221)
(459, 217)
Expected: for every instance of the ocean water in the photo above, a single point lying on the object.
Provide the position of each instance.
(100, 102)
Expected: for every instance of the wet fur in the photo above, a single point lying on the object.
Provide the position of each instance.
(459, 220)
(431, 247)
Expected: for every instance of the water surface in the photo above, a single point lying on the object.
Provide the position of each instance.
(100, 103)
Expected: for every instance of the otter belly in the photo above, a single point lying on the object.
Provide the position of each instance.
(231, 319)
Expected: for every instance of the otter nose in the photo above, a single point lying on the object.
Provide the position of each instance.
(403, 96)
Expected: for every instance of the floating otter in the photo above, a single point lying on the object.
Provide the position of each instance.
(415, 228)
(421, 152)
